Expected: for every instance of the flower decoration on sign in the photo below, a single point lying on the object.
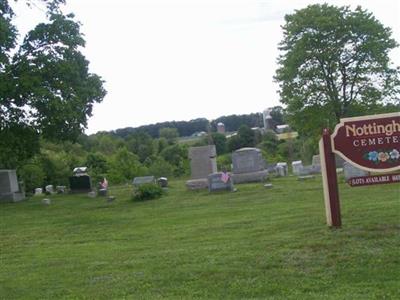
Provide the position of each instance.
(381, 156)
(394, 154)
(373, 155)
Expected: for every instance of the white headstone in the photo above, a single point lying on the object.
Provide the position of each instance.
(49, 189)
(297, 167)
(46, 201)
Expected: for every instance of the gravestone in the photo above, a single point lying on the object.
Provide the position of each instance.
(202, 163)
(246, 160)
(297, 167)
(220, 181)
(351, 171)
(79, 171)
(38, 191)
(80, 184)
(271, 168)
(316, 160)
(162, 182)
(60, 189)
(315, 164)
(282, 169)
(248, 165)
(46, 201)
(144, 180)
(339, 161)
(308, 170)
(49, 189)
(9, 187)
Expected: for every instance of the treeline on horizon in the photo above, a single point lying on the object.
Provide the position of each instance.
(188, 128)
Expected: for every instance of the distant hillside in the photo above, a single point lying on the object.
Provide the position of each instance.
(187, 128)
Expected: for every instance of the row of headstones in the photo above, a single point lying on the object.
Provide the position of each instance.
(49, 189)
(248, 165)
(349, 170)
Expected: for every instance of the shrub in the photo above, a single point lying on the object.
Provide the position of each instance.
(147, 192)
(33, 176)
(224, 162)
(161, 168)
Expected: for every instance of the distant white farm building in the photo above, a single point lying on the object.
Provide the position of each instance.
(199, 134)
(282, 128)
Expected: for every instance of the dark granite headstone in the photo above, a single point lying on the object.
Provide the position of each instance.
(162, 182)
(80, 184)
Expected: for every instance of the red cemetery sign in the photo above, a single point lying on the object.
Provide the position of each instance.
(371, 143)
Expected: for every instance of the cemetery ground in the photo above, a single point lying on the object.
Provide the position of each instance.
(254, 243)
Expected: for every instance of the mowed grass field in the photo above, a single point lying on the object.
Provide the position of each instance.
(254, 243)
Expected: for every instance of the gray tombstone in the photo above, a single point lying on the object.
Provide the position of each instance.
(305, 177)
(308, 170)
(9, 187)
(60, 189)
(339, 161)
(197, 184)
(202, 162)
(246, 160)
(38, 191)
(217, 182)
(282, 169)
(248, 165)
(297, 167)
(316, 160)
(144, 180)
(351, 171)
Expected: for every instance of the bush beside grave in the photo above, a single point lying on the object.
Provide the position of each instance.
(147, 191)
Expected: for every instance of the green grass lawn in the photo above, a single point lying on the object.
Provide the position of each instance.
(255, 243)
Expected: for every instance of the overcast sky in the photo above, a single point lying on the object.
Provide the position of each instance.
(180, 60)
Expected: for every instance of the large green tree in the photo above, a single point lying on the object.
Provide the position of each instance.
(334, 63)
(46, 88)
